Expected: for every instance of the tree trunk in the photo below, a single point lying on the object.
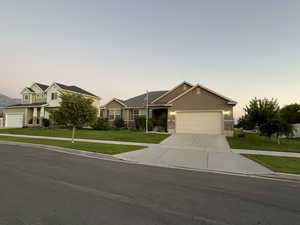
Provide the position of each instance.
(73, 135)
(278, 140)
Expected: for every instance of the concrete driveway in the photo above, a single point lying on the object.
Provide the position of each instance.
(196, 151)
(200, 142)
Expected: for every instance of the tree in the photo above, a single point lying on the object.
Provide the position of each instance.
(261, 110)
(245, 123)
(291, 113)
(277, 127)
(75, 111)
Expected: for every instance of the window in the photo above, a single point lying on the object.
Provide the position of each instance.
(198, 91)
(26, 97)
(53, 96)
(136, 112)
(114, 113)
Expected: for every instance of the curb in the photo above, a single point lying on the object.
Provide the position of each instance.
(272, 176)
(95, 155)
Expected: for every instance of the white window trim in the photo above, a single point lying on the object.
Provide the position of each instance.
(114, 114)
(139, 113)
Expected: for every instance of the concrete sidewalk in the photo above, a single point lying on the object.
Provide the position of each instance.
(195, 158)
(81, 140)
(271, 153)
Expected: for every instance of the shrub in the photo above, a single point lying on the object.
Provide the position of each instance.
(119, 122)
(239, 133)
(140, 123)
(101, 124)
(46, 122)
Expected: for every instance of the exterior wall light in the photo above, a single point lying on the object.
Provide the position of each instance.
(172, 113)
(226, 112)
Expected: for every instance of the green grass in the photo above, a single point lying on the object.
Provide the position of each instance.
(277, 163)
(110, 149)
(112, 135)
(256, 142)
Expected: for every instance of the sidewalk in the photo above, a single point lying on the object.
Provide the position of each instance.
(80, 140)
(271, 153)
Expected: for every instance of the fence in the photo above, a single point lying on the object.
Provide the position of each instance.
(1, 122)
(297, 129)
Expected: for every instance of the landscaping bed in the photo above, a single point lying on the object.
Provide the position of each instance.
(277, 163)
(110, 149)
(111, 135)
(256, 142)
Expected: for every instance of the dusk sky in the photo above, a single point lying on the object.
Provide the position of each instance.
(118, 48)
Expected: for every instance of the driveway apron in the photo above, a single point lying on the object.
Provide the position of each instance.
(195, 151)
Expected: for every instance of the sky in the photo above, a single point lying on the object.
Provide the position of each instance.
(239, 48)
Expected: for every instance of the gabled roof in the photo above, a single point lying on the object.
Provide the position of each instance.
(139, 101)
(42, 86)
(117, 100)
(230, 101)
(73, 89)
(168, 92)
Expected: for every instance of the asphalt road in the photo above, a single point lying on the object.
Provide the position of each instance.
(45, 187)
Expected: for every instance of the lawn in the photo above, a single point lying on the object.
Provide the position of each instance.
(110, 149)
(277, 163)
(256, 142)
(112, 135)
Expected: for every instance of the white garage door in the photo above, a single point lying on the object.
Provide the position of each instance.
(199, 122)
(14, 120)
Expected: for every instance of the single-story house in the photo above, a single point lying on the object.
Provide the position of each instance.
(185, 108)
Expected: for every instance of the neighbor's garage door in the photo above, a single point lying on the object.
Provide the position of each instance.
(14, 120)
(199, 122)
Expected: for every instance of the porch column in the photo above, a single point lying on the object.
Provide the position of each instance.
(26, 117)
(34, 118)
(150, 113)
(42, 115)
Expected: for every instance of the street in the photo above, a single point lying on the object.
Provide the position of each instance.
(39, 186)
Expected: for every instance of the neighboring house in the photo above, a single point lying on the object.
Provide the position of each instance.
(37, 100)
(186, 108)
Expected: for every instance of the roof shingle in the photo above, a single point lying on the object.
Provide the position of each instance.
(75, 89)
(139, 101)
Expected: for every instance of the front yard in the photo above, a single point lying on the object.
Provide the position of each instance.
(111, 135)
(110, 149)
(256, 142)
(277, 164)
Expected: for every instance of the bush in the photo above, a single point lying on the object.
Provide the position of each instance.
(239, 133)
(46, 122)
(101, 124)
(119, 122)
(140, 122)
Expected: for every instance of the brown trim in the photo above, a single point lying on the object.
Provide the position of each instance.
(165, 94)
(117, 100)
(230, 101)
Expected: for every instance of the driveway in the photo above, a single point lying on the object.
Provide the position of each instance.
(200, 142)
(196, 151)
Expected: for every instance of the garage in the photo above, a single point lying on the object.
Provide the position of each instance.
(14, 120)
(199, 122)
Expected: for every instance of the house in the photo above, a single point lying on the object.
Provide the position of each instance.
(36, 102)
(186, 108)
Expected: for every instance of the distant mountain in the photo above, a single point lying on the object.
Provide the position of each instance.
(5, 101)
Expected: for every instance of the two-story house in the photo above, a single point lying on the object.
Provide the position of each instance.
(36, 102)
